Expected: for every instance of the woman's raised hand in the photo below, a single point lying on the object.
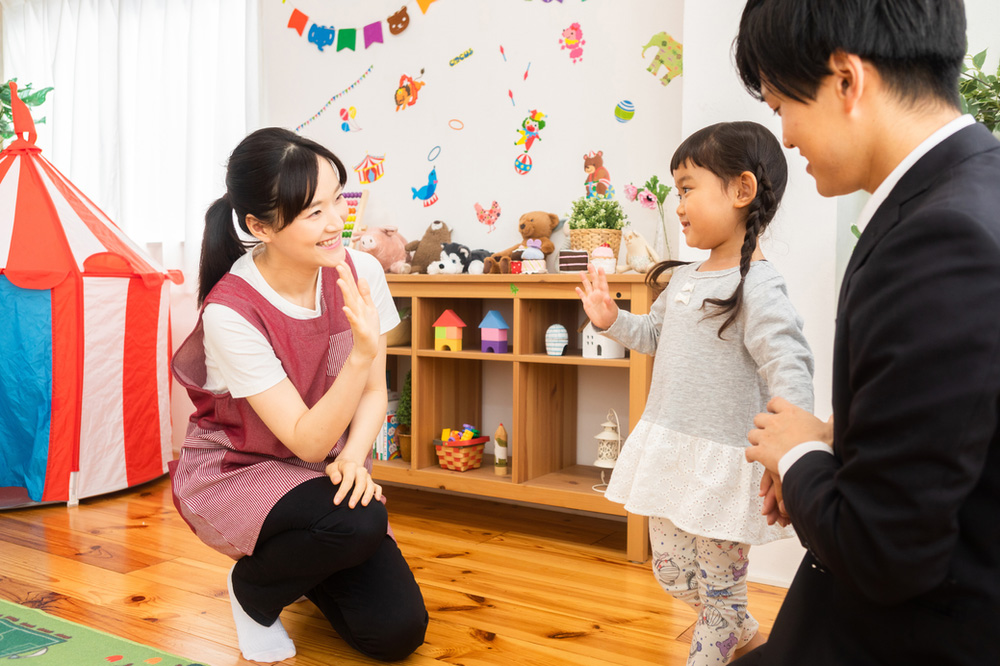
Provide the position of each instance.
(596, 297)
(361, 312)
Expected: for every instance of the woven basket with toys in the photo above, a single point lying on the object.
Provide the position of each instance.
(459, 454)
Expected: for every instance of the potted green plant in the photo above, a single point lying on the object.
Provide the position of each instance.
(403, 417)
(594, 221)
(980, 92)
(27, 96)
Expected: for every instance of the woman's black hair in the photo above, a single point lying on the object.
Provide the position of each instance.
(728, 150)
(272, 175)
(917, 46)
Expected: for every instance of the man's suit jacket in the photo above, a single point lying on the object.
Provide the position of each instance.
(902, 523)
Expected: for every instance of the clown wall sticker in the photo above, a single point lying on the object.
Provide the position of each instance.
(529, 131)
(530, 127)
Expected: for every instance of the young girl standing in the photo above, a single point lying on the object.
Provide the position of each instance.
(286, 369)
(726, 339)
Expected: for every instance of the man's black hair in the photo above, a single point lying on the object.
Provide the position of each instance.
(916, 45)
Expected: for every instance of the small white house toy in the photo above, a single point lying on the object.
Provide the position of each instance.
(448, 332)
(596, 345)
(556, 340)
(493, 333)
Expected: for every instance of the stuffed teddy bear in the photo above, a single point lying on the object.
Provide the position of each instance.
(428, 249)
(536, 225)
(385, 244)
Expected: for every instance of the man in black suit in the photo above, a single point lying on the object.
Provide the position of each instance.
(897, 500)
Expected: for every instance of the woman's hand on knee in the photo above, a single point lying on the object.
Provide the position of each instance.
(354, 479)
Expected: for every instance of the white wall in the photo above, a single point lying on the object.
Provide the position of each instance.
(476, 163)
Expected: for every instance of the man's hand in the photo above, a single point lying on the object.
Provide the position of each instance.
(774, 505)
(783, 427)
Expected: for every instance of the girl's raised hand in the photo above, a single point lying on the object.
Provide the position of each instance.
(596, 297)
(361, 312)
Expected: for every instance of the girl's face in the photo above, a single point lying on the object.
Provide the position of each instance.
(314, 237)
(710, 210)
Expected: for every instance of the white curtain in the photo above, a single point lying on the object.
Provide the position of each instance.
(150, 97)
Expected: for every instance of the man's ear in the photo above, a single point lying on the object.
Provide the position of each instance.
(849, 78)
(746, 189)
(259, 230)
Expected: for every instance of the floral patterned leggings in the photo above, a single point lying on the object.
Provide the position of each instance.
(710, 576)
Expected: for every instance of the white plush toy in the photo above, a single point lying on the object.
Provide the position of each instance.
(639, 256)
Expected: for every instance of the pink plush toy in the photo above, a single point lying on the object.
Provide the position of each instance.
(387, 245)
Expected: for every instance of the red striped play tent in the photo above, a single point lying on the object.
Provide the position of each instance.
(84, 339)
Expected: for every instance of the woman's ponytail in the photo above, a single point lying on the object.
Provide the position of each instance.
(220, 246)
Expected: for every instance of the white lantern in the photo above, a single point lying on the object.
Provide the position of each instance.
(609, 445)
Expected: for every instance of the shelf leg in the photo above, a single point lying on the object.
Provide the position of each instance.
(637, 541)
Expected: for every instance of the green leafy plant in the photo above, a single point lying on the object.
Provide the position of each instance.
(596, 213)
(980, 91)
(27, 96)
(403, 408)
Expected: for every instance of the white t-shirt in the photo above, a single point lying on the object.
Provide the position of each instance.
(238, 357)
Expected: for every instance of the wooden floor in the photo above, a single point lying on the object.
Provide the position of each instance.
(503, 584)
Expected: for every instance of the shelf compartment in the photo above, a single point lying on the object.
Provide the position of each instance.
(447, 393)
(545, 422)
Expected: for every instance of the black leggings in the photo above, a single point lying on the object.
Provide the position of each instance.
(342, 560)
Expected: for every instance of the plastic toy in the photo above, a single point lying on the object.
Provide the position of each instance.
(448, 332)
(493, 333)
(356, 202)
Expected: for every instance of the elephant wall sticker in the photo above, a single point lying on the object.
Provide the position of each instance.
(669, 54)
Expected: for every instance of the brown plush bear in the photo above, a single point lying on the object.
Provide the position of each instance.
(428, 249)
(536, 225)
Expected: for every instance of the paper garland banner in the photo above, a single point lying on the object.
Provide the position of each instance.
(346, 38)
(332, 99)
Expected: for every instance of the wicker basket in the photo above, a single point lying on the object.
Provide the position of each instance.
(588, 239)
(461, 455)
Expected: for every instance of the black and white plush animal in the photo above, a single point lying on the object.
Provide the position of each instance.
(449, 264)
(471, 261)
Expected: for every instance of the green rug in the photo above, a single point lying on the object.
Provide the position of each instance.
(51, 641)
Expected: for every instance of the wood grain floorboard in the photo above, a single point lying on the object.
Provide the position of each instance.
(503, 583)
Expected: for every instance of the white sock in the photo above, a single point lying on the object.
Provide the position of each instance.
(257, 642)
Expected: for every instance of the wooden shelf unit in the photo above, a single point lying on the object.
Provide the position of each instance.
(447, 388)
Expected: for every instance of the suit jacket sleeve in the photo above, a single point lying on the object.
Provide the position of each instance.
(920, 366)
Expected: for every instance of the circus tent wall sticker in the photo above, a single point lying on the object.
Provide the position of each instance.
(370, 169)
